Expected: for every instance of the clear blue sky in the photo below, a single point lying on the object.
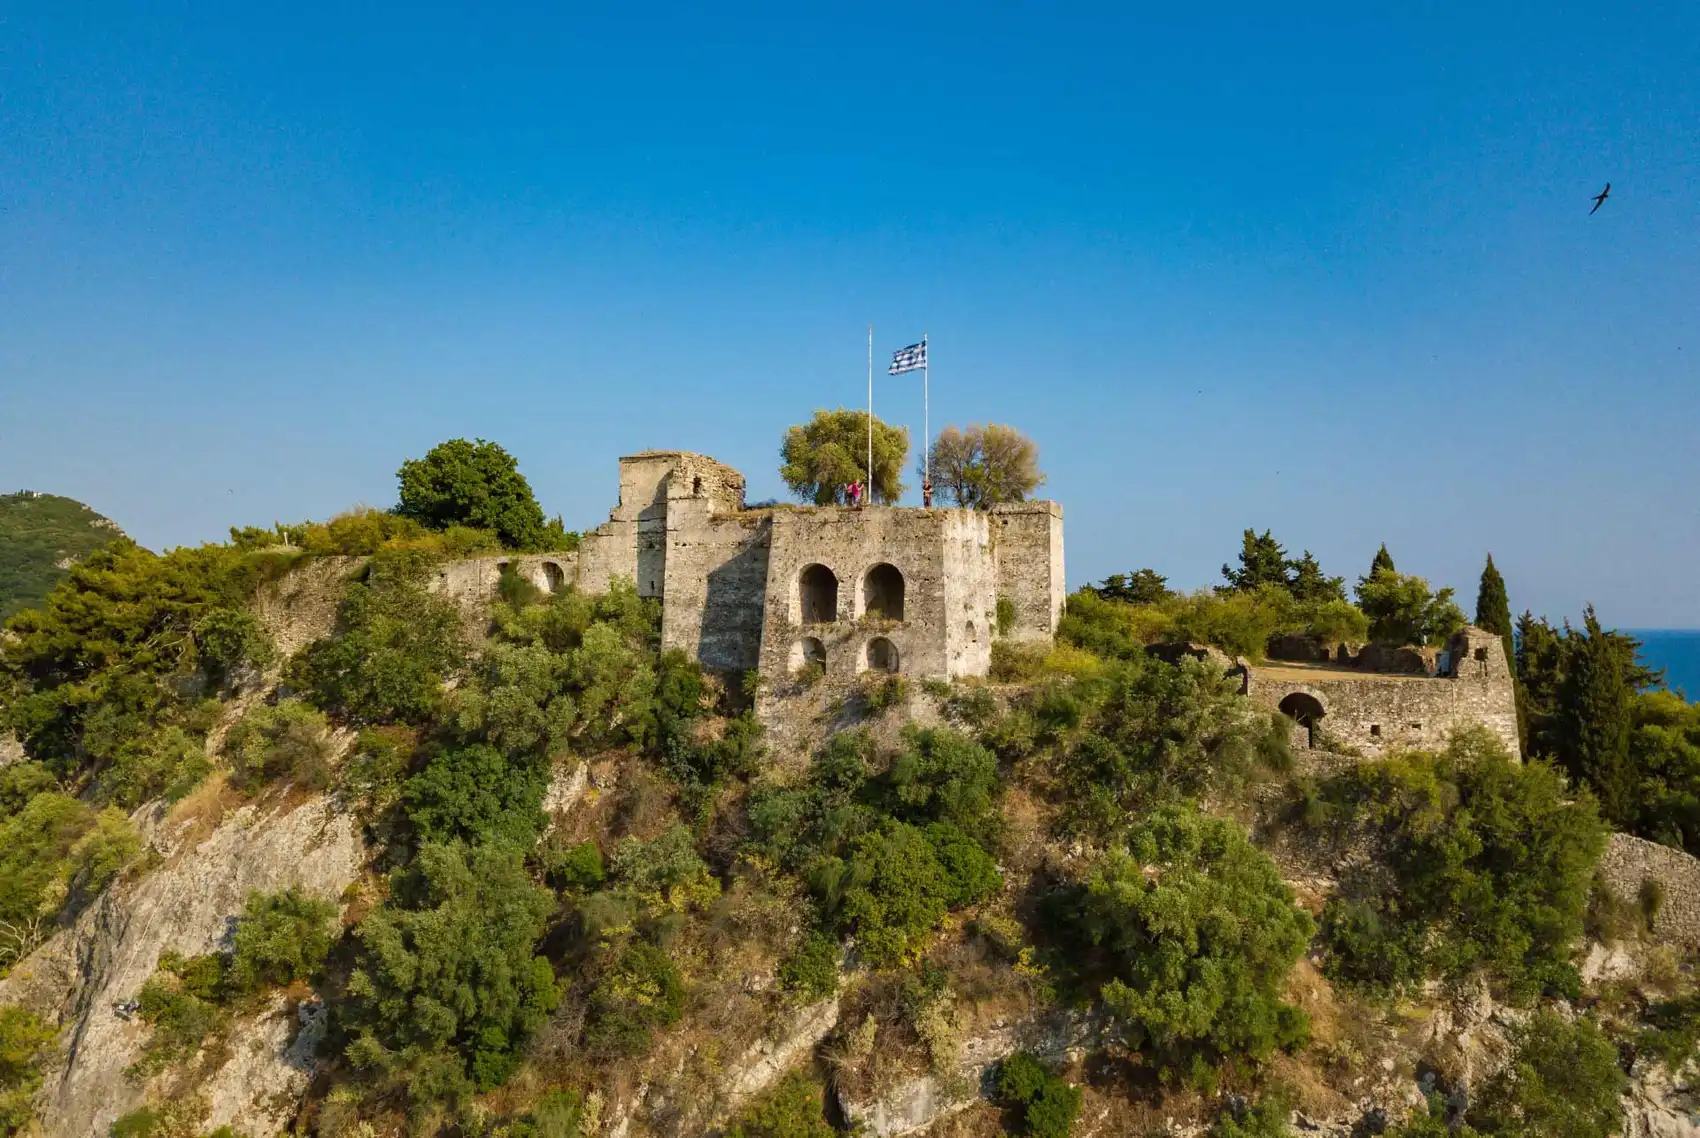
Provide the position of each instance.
(1308, 267)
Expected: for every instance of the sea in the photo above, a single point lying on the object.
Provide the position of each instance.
(1677, 651)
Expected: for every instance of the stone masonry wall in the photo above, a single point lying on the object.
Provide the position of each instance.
(969, 600)
(849, 542)
(716, 585)
(1375, 713)
(1027, 546)
(1630, 861)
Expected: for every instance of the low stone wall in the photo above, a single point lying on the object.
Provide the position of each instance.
(1629, 861)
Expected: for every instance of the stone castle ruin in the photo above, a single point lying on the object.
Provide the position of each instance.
(923, 592)
(776, 589)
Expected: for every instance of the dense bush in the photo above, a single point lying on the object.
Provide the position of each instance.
(280, 938)
(558, 1114)
(795, 1108)
(811, 970)
(1239, 622)
(287, 740)
(53, 849)
(447, 985)
(1490, 864)
(1046, 1104)
(1563, 1078)
(183, 1003)
(1142, 733)
(25, 1045)
(478, 794)
(640, 992)
(1191, 932)
(396, 645)
(666, 874)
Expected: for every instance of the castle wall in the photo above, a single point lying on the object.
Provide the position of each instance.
(849, 542)
(1377, 713)
(1027, 547)
(969, 598)
(716, 584)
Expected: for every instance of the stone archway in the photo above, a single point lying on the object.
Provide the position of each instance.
(807, 650)
(880, 656)
(882, 592)
(553, 577)
(1306, 710)
(817, 595)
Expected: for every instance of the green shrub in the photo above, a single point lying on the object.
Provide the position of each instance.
(396, 646)
(447, 986)
(26, 1043)
(666, 874)
(165, 762)
(1491, 861)
(180, 1001)
(53, 851)
(1563, 1078)
(795, 1108)
(571, 868)
(558, 1114)
(477, 484)
(1269, 1117)
(1193, 932)
(1005, 616)
(478, 794)
(229, 639)
(890, 692)
(811, 970)
(640, 992)
(1046, 1104)
(289, 740)
(375, 772)
(946, 776)
(280, 938)
(1673, 1031)
(893, 889)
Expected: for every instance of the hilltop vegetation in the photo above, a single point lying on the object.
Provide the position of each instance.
(41, 536)
(1097, 837)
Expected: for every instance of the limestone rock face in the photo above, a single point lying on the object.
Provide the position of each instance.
(81, 976)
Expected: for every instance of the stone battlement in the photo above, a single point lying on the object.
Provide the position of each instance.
(851, 589)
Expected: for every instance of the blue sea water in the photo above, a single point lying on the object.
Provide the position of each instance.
(1677, 651)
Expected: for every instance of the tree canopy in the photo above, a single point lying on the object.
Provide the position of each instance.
(1493, 608)
(820, 458)
(476, 484)
(1263, 562)
(1402, 609)
(984, 465)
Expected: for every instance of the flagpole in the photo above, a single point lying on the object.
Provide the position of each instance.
(926, 428)
(870, 490)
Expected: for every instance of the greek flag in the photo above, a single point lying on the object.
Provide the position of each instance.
(912, 358)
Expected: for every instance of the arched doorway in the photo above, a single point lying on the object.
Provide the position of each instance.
(817, 595)
(806, 651)
(881, 655)
(1306, 710)
(553, 577)
(882, 593)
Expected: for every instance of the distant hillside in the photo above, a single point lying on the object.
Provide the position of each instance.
(41, 535)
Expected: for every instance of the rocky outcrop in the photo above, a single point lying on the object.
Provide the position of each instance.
(82, 976)
(762, 1065)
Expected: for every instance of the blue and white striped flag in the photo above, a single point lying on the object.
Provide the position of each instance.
(912, 358)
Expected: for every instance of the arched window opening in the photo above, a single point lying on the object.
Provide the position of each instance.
(806, 651)
(973, 633)
(817, 595)
(882, 655)
(553, 577)
(882, 593)
(1307, 711)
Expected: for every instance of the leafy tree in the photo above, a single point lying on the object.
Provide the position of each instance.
(396, 646)
(1262, 562)
(446, 987)
(479, 794)
(25, 1045)
(1195, 932)
(1382, 562)
(1563, 1078)
(1490, 863)
(1403, 610)
(823, 456)
(280, 938)
(52, 849)
(1665, 751)
(1493, 608)
(793, 1109)
(1046, 1104)
(985, 465)
(1310, 584)
(1594, 719)
(1142, 587)
(475, 484)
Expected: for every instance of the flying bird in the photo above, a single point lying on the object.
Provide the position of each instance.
(1600, 199)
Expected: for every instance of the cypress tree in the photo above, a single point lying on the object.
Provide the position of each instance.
(1594, 718)
(1262, 562)
(1493, 609)
(1383, 560)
